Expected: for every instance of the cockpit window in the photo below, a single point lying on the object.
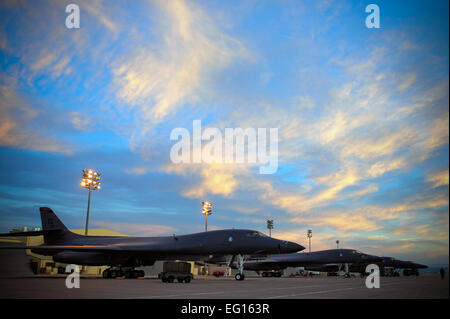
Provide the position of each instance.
(255, 234)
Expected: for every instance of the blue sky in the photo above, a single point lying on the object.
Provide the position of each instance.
(362, 116)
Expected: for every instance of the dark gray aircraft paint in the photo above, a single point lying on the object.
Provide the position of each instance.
(383, 262)
(70, 248)
(399, 264)
(332, 256)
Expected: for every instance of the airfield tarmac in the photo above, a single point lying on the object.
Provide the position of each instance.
(318, 287)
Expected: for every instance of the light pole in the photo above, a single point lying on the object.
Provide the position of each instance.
(206, 210)
(337, 244)
(309, 234)
(91, 181)
(270, 226)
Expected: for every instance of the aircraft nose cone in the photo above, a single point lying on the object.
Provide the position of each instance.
(292, 247)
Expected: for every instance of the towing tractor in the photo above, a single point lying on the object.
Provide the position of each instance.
(180, 271)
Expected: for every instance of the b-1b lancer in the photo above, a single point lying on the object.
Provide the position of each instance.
(130, 252)
(389, 266)
(335, 258)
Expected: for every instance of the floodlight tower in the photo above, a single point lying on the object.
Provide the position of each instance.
(309, 234)
(206, 210)
(270, 226)
(91, 181)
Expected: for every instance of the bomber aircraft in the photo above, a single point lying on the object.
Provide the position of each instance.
(123, 254)
(336, 258)
(389, 266)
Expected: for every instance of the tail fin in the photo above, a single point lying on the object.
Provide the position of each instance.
(54, 230)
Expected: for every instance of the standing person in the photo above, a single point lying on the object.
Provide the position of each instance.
(442, 272)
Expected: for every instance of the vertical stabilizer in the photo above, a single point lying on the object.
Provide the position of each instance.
(54, 230)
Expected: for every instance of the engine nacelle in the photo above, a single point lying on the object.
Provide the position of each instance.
(84, 258)
(100, 259)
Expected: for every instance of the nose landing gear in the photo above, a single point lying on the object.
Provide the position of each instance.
(240, 276)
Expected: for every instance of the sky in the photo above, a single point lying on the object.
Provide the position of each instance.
(362, 118)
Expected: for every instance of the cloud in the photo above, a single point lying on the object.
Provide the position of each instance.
(421, 230)
(16, 117)
(215, 179)
(377, 146)
(160, 78)
(247, 210)
(80, 120)
(407, 81)
(44, 61)
(429, 98)
(265, 77)
(436, 135)
(355, 137)
(412, 204)
(96, 9)
(343, 221)
(438, 179)
(347, 222)
(137, 170)
(382, 167)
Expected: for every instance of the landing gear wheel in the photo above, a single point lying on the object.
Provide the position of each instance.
(106, 274)
(239, 277)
